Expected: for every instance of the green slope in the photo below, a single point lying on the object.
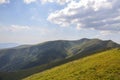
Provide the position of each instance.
(102, 66)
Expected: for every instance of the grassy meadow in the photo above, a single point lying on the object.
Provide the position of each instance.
(102, 66)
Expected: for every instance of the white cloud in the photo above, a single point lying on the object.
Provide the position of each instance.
(15, 28)
(29, 1)
(61, 2)
(4, 1)
(96, 14)
(105, 32)
(24, 34)
(79, 26)
(55, 1)
(22, 29)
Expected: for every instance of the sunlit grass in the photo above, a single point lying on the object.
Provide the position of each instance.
(102, 66)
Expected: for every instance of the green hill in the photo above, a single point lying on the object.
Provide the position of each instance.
(102, 66)
(29, 56)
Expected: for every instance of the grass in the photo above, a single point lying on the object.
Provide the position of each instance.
(102, 66)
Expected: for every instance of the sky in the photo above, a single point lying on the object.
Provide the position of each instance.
(36, 21)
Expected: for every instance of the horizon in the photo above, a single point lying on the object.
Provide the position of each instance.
(37, 21)
(18, 44)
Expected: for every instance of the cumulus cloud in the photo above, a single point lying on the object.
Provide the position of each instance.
(94, 14)
(29, 1)
(4, 1)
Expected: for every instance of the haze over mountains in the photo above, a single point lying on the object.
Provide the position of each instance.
(8, 45)
(24, 57)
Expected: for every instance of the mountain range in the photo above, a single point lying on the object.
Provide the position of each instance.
(25, 57)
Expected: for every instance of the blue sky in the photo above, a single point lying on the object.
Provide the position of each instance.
(36, 21)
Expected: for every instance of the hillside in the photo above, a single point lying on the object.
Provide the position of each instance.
(25, 57)
(102, 66)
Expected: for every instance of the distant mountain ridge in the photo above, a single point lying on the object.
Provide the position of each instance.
(25, 57)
